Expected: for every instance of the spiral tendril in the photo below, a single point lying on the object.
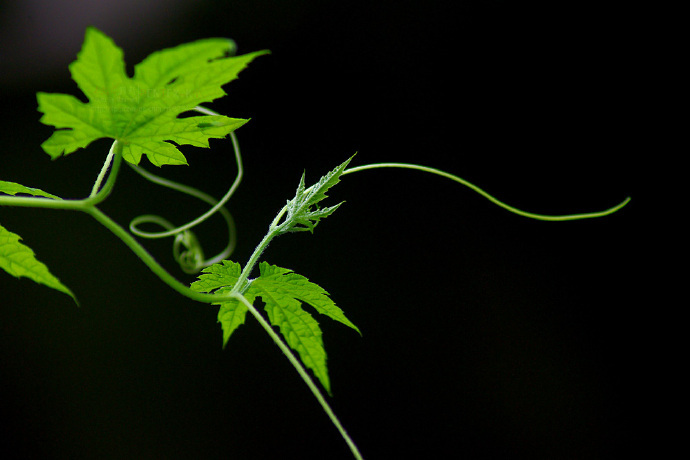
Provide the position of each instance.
(187, 250)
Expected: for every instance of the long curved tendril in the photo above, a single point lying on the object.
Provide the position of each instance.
(497, 202)
(187, 250)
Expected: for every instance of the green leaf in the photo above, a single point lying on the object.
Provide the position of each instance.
(301, 331)
(221, 278)
(283, 292)
(299, 287)
(18, 260)
(13, 188)
(142, 112)
(218, 276)
(303, 211)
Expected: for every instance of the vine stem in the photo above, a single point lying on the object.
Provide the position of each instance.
(113, 161)
(150, 261)
(302, 372)
(217, 206)
(192, 191)
(98, 194)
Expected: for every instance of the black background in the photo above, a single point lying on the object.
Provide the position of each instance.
(485, 335)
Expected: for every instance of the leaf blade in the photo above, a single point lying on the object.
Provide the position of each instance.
(13, 188)
(100, 67)
(19, 260)
(221, 277)
(232, 315)
(161, 67)
(143, 111)
(300, 330)
(303, 211)
(82, 125)
(217, 276)
(283, 292)
(299, 287)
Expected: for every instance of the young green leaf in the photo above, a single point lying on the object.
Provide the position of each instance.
(301, 331)
(142, 112)
(13, 188)
(276, 279)
(303, 212)
(282, 292)
(18, 260)
(221, 278)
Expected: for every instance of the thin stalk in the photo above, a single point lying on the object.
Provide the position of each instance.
(104, 170)
(531, 215)
(302, 372)
(249, 266)
(217, 205)
(171, 230)
(150, 261)
(114, 155)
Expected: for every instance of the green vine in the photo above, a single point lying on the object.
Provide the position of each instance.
(140, 114)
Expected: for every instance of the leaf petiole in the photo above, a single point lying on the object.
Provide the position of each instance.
(104, 170)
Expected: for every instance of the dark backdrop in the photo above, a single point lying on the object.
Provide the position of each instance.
(485, 335)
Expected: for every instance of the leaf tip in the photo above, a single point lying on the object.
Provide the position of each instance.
(76, 301)
(95, 32)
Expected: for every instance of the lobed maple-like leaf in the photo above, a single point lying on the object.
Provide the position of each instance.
(142, 112)
(283, 293)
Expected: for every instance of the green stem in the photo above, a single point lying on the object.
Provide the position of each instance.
(217, 205)
(274, 229)
(249, 266)
(88, 205)
(114, 155)
(171, 230)
(531, 215)
(302, 372)
(104, 170)
(38, 202)
(150, 261)
(75, 205)
(98, 194)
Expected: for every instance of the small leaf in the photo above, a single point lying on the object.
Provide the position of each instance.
(221, 278)
(216, 276)
(301, 331)
(231, 315)
(318, 191)
(18, 260)
(13, 188)
(282, 291)
(299, 287)
(303, 212)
